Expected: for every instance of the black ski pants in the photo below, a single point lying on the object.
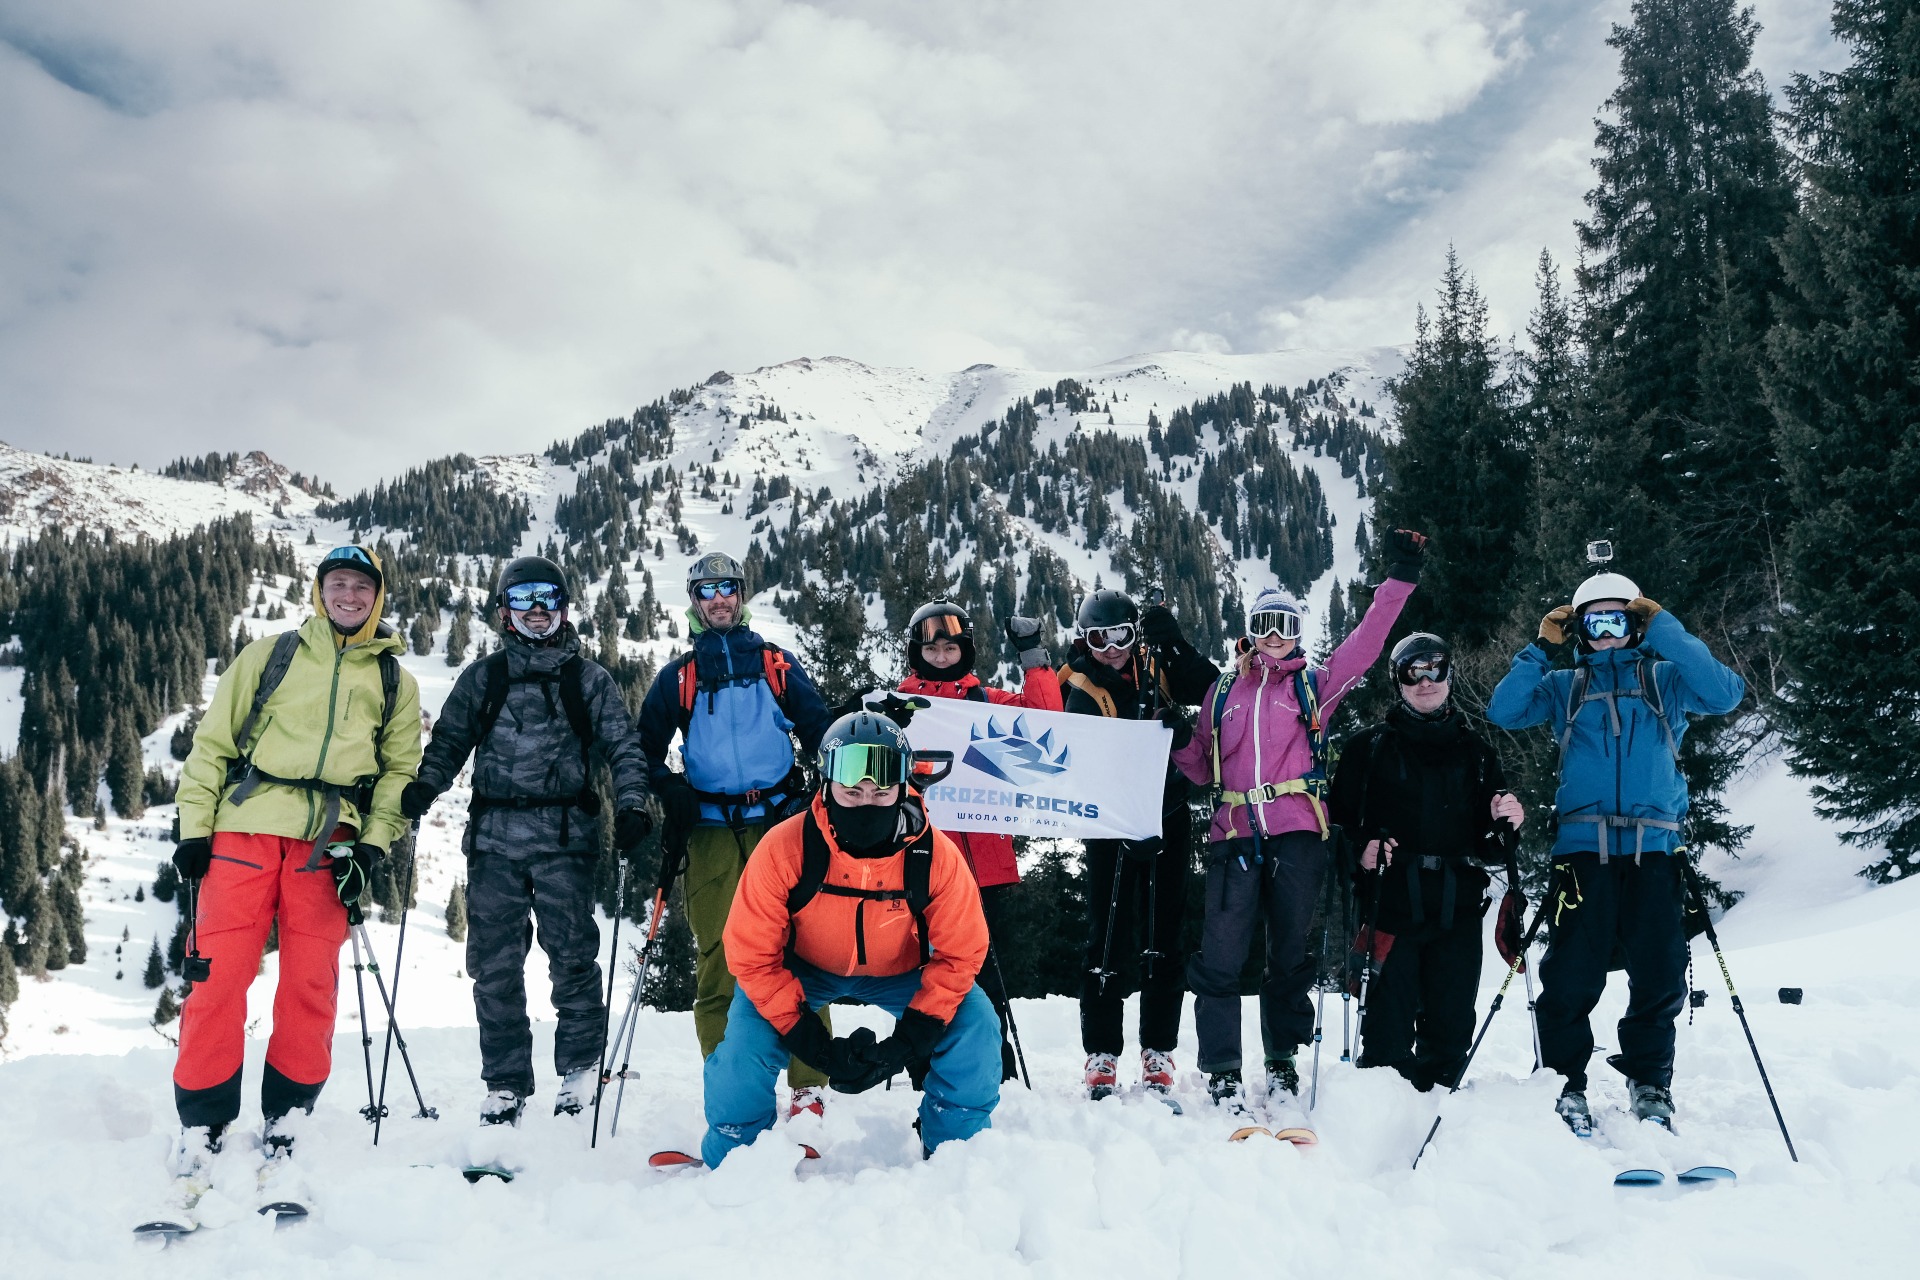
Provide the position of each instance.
(1633, 909)
(1153, 897)
(557, 888)
(1279, 880)
(1420, 1007)
(993, 905)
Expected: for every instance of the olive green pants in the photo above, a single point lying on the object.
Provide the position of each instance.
(715, 858)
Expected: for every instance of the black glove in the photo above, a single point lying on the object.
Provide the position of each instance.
(920, 1033)
(852, 1063)
(192, 857)
(1024, 635)
(417, 799)
(1405, 550)
(900, 710)
(1142, 850)
(351, 872)
(677, 802)
(1182, 731)
(630, 827)
(858, 702)
(1158, 628)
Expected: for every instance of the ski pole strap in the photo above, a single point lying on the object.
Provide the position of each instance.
(1604, 822)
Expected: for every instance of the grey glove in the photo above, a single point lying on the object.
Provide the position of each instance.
(1024, 635)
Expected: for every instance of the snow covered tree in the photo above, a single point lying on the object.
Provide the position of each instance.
(1843, 386)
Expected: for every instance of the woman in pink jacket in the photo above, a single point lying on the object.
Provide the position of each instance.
(1267, 848)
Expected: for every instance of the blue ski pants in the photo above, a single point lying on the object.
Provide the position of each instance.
(962, 1086)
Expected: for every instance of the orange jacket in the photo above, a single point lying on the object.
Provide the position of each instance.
(822, 932)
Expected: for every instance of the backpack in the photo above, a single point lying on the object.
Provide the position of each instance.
(918, 893)
(1072, 679)
(573, 701)
(773, 669)
(1649, 693)
(1313, 785)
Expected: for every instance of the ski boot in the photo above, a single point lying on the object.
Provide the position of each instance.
(277, 1138)
(808, 1100)
(1156, 1071)
(503, 1106)
(1283, 1076)
(1652, 1102)
(1223, 1090)
(576, 1092)
(1102, 1075)
(191, 1164)
(1572, 1109)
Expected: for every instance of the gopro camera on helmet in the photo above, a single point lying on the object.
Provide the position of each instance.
(1600, 551)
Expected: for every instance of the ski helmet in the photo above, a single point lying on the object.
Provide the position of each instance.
(939, 619)
(865, 746)
(530, 581)
(1421, 647)
(359, 559)
(1107, 608)
(1605, 586)
(715, 566)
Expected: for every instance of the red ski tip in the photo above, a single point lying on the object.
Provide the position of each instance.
(674, 1160)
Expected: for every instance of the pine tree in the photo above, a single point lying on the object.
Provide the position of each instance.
(9, 981)
(1458, 473)
(457, 912)
(166, 1009)
(127, 771)
(1843, 387)
(834, 645)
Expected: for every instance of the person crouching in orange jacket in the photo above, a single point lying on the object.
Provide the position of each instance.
(859, 900)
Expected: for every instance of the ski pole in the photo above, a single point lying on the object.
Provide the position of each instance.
(1346, 974)
(1519, 960)
(1512, 842)
(631, 1021)
(1019, 1054)
(613, 969)
(380, 984)
(1366, 958)
(371, 1111)
(1320, 990)
(399, 953)
(1113, 908)
(1713, 938)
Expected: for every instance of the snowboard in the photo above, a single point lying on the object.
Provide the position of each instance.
(1298, 1135)
(671, 1161)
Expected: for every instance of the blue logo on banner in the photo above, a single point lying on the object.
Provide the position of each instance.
(1011, 756)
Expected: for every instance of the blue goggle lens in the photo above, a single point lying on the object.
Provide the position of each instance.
(726, 587)
(522, 596)
(1606, 624)
(354, 554)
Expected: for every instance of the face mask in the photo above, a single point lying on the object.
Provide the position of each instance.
(518, 621)
(864, 827)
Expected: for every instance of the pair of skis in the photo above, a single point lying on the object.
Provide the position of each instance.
(164, 1230)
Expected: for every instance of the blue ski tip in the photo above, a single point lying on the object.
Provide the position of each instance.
(1639, 1178)
(1707, 1174)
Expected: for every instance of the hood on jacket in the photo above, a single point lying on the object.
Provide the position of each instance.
(371, 627)
(696, 627)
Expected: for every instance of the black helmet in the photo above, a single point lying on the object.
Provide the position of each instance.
(865, 744)
(529, 569)
(359, 559)
(1421, 644)
(1107, 608)
(936, 620)
(715, 566)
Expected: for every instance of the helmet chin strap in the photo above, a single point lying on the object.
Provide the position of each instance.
(518, 622)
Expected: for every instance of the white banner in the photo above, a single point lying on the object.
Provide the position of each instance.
(1044, 773)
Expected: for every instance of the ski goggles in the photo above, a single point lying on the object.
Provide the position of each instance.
(1434, 670)
(942, 626)
(522, 596)
(1275, 622)
(859, 762)
(1605, 624)
(351, 554)
(1110, 637)
(726, 588)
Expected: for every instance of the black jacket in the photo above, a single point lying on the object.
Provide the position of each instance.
(1183, 678)
(1429, 785)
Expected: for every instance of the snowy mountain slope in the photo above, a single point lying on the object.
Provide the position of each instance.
(37, 490)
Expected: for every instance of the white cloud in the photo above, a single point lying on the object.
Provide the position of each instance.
(368, 232)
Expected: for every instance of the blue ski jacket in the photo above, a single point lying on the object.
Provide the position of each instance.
(737, 734)
(1618, 765)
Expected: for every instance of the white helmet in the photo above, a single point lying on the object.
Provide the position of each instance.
(1605, 586)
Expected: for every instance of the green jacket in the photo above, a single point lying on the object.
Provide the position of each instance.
(320, 723)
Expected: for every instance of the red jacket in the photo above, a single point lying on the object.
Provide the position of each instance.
(988, 853)
(830, 931)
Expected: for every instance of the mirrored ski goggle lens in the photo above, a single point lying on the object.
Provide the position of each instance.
(1278, 622)
(354, 554)
(861, 762)
(1432, 670)
(1110, 637)
(944, 626)
(1606, 624)
(522, 596)
(726, 587)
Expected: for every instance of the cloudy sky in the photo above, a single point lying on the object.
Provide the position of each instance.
(369, 232)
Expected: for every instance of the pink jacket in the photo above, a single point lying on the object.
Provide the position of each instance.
(1262, 738)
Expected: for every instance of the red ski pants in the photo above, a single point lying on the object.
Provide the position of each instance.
(254, 878)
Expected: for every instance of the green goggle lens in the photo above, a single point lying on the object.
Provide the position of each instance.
(861, 762)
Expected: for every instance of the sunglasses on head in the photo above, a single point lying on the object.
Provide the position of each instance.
(861, 762)
(1110, 637)
(522, 596)
(1274, 622)
(1605, 624)
(725, 588)
(942, 626)
(1433, 670)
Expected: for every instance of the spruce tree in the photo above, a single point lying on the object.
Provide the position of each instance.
(457, 912)
(127, 771)
(834, 645)
(1843, 386)
(9, 980)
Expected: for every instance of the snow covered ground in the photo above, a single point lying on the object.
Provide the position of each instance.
(1058, 1186)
